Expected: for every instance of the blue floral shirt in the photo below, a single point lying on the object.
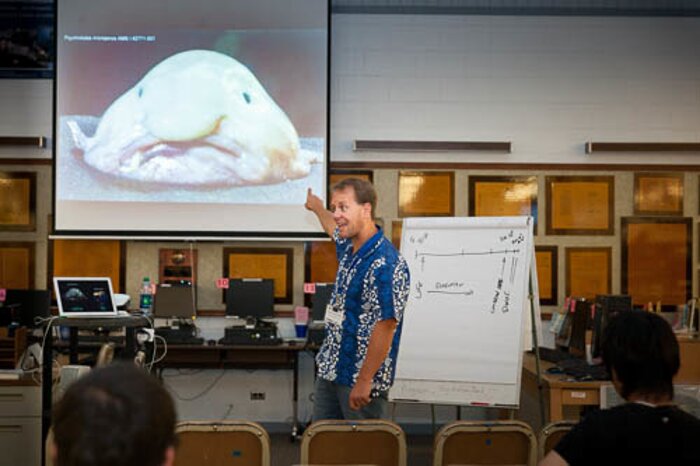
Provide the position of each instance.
(371, 285)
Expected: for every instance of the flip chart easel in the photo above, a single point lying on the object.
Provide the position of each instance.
(473, 286)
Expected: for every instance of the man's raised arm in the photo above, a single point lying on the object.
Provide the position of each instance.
(315, 205)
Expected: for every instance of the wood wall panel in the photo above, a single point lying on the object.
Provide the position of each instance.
(588, 272)
(323, 262)
(90, 258)
(656, 259)
(17, 265)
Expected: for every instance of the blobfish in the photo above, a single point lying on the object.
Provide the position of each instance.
(199, 117)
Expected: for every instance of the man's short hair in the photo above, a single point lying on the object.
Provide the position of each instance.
(115, 416)
(643, 351)
(364, 191)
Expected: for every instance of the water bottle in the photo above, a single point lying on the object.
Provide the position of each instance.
(145, 296)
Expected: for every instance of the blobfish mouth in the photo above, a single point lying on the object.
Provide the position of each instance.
(141, 152)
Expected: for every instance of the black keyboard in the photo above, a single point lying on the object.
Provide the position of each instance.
(554, 355)
(184, 341)
(582, 371)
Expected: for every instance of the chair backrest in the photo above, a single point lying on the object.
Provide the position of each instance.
(485, 442)
(377, 442)
(242, 443)
(551, 434)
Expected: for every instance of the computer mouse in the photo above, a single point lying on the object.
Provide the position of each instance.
(211, 342)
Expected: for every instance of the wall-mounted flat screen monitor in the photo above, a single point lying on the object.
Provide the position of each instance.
(250, 297)
(190, 119)
(174, 302)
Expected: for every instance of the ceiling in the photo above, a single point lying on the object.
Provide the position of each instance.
(521, 7)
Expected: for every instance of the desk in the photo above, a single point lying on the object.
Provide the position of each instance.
(20, 421)
(130, 323)
(689, 371)
(283, 356)
(559, 389)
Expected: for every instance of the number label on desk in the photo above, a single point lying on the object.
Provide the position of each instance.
(579, 395)
(222, 283)
(309, 288)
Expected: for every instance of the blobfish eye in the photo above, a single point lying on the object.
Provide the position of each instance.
(140, 92)
(247, 98)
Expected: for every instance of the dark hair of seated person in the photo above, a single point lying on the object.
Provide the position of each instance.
(641, 353)
(116, 415)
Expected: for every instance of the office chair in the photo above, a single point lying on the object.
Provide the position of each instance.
(377, 442)
(218, 443)
(485, 442)
(551, 434)
(106, 354)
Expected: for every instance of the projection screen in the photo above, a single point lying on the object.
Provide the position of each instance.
(190, 119)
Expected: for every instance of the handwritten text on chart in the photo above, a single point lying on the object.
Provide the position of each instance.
(420, 239)
(446, 288)
(501, 296)
(512, 238)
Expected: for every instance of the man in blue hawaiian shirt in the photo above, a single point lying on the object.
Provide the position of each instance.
(357, 360)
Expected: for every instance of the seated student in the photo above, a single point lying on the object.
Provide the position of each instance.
(116, 415)
(640, 352)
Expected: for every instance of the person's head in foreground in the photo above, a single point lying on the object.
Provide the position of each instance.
(116, 415)
(641, 354)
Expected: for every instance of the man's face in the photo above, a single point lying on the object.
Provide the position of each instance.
(349, 216)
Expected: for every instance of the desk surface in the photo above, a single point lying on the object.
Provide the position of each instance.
(105, 322)
(560, 390)
(554, 380)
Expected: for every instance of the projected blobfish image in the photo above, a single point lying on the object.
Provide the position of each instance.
(199, 118)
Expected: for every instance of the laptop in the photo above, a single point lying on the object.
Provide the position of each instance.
(85, 297)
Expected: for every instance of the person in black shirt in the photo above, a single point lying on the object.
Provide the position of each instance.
(640, 352)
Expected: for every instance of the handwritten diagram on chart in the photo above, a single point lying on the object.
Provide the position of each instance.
(505, 255)
(465, 314)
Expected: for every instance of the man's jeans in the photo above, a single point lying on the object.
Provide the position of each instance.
(332, 401)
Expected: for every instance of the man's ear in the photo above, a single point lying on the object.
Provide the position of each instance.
(169, 459)
(52, 450)
(367, 210)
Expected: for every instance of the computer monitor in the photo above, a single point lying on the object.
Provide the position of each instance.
(579, 324)
(320, 299)
(23, 306)
(174, 302)
(606, 307)
(250, 297)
